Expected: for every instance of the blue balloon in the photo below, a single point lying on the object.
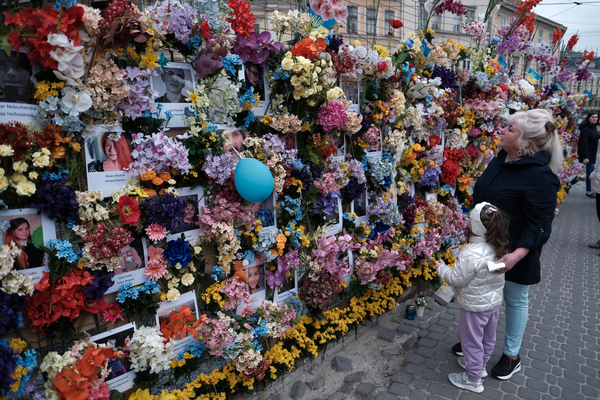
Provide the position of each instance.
(253, 180)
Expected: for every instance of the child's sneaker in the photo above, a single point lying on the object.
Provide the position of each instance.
(461, 380)
(463, 363)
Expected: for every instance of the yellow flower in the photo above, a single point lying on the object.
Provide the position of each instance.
(141, 395)
(148, 60)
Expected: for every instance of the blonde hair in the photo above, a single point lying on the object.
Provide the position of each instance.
(538, 133)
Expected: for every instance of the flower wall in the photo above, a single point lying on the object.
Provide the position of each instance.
(162, 216)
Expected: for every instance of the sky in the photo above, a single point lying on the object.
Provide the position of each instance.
(582, 18)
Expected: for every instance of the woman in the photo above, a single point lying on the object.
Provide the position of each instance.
(588, 145)
(174, 79)
(130, 260)
(521, 180)
(595, 186)
(118, 153)
(19, 233)
(190, 218)
(253, 281)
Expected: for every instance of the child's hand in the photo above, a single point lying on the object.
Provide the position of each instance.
(439, 263)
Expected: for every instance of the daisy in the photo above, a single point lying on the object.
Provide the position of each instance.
(156, 232)
(112, 313)
(155, 270)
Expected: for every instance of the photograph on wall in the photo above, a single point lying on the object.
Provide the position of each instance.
(167, 307)
(289, 141)
(351, 87)
(170, 88)
(255, 283)
(255, 77)
(288, 289)
(340, 147)
(234, 138)
(360, 207)
(17, 88)
(121, 375)
(194, 201)
(375, 149)
(108, 156)
(131, 264)
(267, 213)
(348, 258)
(29, 232)
(334, 218)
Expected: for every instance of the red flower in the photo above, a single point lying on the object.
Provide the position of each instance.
(557, 35)
(396, 24)
(382, 66)
(205, 30)
(129, 208)
(242, 20)
(71, 385)
(307, 48)
(572, 42)
(434, 140)
(112, 313)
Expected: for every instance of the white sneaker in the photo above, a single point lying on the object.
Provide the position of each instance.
(462, 362)
(461, 380)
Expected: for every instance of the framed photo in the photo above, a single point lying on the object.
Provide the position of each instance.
(289, 141)
(17, 88)
(29, 231)
(167, 307)
(360, 206)
(349, 258)
(255, 77)
(121, 375)
(134, 258)
(351, 87)
(194, 200)
(375, 149)
(256, 285)
(170, 87)
(336, 218)
(340, 147)
(287, 290)
(267, 214)
(410, 188)
(234, 138)
(108, 156)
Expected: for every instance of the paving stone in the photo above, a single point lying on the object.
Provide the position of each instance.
(355, 377)
(404, 328)
(347, 387)
(390, 352)
(447, 390)
(387, 334)
(298, 390)
(337, 396)
(276, 396)
(410, 343)
(341, 364)
(426, 343)
(316, 383)
(399, 389)
(444, 295)
(386, 396)
(402, 378)
(365, 390)
(526, 393)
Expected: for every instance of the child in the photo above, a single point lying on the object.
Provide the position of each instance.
(478, 292)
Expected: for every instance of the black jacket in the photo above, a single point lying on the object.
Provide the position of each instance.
(588, 143)
(526, 190)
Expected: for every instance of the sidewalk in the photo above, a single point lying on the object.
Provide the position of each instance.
(561, 346)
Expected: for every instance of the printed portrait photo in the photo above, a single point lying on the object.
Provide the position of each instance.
(340, 146)
(16, 85)
(287, 289)
(234, 139)
(289, 141)
(172, 84)
(190, 219)
(166, 308)
(107, 154)
(121, 375)
(334, 218)
(132, 257)
(26, 232)
(359, 206)
(266, 213)
(256, 277)
(254, 77)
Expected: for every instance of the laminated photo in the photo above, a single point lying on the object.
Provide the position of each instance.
(29, 232)
(167, 307)
(121, 375)
(171, 86)
(194, 201)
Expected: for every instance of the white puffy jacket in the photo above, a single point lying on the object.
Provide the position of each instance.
(476, 288)
(595, 176)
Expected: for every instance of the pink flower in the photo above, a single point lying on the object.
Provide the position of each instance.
(316, 5)
(328, 11)
(155, 269)
(112, 313)
(332, 116)
(156, 232)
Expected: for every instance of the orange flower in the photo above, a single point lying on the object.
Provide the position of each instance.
(76, 147)
(71, 385)
(157, 181)
(307, 48)
(181, 323)
(150, 192)
(91, 360)
(165, 176)
(148, 175)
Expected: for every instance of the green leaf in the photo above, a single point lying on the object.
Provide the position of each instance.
(115, 395)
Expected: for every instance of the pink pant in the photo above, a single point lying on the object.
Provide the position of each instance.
(478, 337)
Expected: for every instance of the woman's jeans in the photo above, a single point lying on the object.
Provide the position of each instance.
(516, 297)
(589, 168)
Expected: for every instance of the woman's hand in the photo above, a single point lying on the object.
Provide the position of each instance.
(586, 160)
(511, 259)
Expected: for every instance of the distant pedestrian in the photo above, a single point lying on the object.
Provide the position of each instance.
(587, 148)
(478, 292)
(595, 186)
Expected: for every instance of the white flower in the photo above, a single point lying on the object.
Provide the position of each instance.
(6, 150)
(173, 294)
(20, 166)
(58, 39)
(187, 279)
(77, 100)
(148, 352)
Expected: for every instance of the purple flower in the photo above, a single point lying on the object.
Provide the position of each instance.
(210, 59)
(430, 177)
(100, 284)
(326, 204)
(353, 190)
(11, 308)
(446, 74)
(220, 167)
(57, 199)
(255, 48)
(165, 210)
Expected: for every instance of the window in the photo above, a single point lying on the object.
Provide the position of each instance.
(257, 28)
(371, 20)
(504, 22)
(389, 15)
(541, 36)
(352, 20)
(436, 23)
(457, 23)
(471, 15)
(423, 16)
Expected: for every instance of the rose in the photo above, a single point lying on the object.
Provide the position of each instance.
(178, 251)
(129, 209)
(396, 24)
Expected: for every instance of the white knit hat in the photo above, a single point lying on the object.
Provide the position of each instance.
(476, 225)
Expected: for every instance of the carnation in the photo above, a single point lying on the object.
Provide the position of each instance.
(332, 116)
